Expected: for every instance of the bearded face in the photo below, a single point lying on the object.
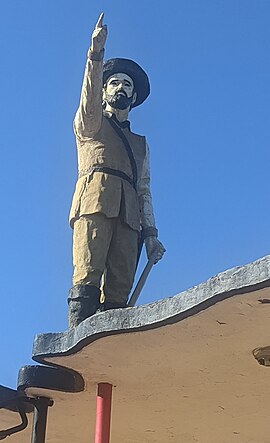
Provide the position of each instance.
(119, 91)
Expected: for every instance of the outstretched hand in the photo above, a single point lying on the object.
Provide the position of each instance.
(99, 35)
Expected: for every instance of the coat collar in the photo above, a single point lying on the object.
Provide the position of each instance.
(123, 125)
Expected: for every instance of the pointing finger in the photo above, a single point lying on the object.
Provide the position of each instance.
(99, 22)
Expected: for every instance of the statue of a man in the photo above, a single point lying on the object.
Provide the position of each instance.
(111, 207)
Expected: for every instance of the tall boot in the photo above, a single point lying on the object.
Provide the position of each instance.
(113, 305)
(83, 301)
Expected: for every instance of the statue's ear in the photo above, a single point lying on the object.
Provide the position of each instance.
(134, 98)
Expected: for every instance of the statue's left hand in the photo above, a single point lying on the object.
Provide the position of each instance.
(152, 244)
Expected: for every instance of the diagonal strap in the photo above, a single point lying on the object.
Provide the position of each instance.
(128, 149)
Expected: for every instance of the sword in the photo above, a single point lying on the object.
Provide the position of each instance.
(141, 282)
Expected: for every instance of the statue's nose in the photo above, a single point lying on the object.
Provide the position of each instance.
(120, 86)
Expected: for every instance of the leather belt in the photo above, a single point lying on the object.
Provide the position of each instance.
(110, 171)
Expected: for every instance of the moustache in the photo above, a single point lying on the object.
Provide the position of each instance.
(121, 93)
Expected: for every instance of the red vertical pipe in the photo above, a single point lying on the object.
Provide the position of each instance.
(103, 413)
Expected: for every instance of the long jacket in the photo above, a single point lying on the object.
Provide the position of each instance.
(99, 146)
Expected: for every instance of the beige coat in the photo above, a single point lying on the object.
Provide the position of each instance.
(99, 145)
(105, 193)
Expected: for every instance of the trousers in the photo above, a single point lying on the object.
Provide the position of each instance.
(105, 247)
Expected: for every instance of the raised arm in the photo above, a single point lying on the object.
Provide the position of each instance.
(88, 118)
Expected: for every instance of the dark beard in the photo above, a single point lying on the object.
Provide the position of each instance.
(119, 101)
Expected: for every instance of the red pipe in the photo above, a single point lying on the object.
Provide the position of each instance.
(103, 413)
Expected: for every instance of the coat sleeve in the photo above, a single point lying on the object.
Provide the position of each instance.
(144, 193)
(88, 118)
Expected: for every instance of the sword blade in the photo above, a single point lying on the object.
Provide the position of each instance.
(141, 282)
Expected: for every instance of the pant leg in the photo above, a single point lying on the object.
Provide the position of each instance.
(91, 241)
(121, 263)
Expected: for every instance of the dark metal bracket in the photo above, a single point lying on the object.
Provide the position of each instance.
(44, 377)
(41, 405)
(19, 403)
(16, 402)
(24, 422)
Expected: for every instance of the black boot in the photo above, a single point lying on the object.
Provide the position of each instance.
(83, 301)
(113, 305)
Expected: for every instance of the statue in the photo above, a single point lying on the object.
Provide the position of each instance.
(112, 206)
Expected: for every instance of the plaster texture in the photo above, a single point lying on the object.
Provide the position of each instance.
(226, 284)
(183, 368)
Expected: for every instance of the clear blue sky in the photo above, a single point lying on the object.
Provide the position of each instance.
(206, 121)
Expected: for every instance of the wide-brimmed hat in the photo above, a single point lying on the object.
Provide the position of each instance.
(133, 70)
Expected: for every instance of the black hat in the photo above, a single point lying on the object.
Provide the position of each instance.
(134, 71)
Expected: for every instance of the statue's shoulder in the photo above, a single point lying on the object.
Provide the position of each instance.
(138, 139)
(142, 137)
